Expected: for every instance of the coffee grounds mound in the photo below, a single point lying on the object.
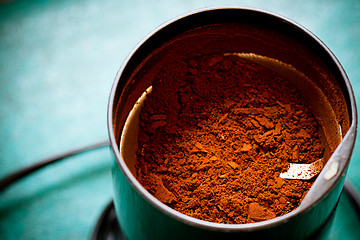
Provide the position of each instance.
(216, 132)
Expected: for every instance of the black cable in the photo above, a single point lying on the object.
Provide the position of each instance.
(12, 178)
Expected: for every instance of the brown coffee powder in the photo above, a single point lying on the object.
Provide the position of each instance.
(216, 132)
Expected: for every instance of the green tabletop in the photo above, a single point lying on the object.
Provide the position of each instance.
(58, 60)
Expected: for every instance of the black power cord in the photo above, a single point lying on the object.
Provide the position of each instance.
(108, 218)
(12, 178)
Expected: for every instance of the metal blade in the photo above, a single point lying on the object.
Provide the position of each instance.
(303, 171)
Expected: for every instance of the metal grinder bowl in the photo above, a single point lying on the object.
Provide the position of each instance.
(141, 215)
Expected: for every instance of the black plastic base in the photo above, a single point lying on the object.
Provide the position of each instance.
(107, 227)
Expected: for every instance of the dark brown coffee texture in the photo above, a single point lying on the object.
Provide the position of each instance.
(215, 133)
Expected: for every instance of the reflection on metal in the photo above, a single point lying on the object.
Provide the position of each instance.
(303, 171)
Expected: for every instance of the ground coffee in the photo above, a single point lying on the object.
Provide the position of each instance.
(216, 132)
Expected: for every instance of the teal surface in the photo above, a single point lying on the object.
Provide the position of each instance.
(58, 60)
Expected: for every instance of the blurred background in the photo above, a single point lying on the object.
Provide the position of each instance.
(58, 60)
